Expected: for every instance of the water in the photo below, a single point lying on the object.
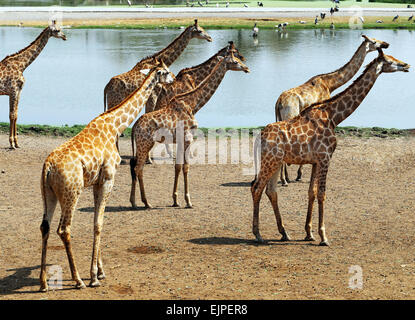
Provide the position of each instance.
(65, 84)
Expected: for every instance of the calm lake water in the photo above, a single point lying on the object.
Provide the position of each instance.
(65, 84)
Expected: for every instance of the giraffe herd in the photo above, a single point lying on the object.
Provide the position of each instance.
(303, 134)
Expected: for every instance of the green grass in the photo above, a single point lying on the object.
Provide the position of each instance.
(70, 131)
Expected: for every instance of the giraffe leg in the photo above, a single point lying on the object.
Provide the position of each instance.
(286, 173)
(186, 168)
(65, 235)
(13, 102)
(283, 175)
(257, 187)
(271, 192)
(321, 196)
(299, 173)
(177, 170)
(312, 192)
(50, 202)
(101, 273)
(101, 194)
(168, 150)
(139, 167)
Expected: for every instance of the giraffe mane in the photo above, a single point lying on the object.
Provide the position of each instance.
(331, 99)
(186, 70)
(201, 84)
(21, 50)
(335, 71)
(166, 48)
(131, 94)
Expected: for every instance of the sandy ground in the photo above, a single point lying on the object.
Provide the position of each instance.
(209, 252)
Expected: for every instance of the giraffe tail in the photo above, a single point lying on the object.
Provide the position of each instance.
(256, 152)
(47, 212)
(278, 111)
(105, 95)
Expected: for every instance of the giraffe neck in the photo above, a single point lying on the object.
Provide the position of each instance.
(200, 72)
(339, 77)
(344, 104)
(27, 55)
(169, 54)
(126, 112)
(198, 97)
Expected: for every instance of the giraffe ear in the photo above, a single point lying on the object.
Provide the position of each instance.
(145, 71)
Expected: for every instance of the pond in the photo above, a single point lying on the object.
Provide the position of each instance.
(65, 84)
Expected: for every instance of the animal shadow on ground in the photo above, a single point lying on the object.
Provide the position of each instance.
(20, 279)
(237, 184)
(239, 241)
(123, 209)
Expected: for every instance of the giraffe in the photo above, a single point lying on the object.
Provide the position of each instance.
(187, 79)
(318, 88)
(179, 113)
(11, 73)
(89, 159)
(122, 85)
(309, 138)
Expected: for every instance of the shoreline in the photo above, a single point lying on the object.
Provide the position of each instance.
(70, 131)
(209, 17)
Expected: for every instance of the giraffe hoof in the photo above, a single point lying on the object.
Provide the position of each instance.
(309, 238)
(147, 206)
(123, 161)
(43, 289)
(298, 179)
(101, 276)
(285, 237)
(175, 205)
(259, 239)
(80, 285)
(324, 243)
(189, 206)
(94, 284)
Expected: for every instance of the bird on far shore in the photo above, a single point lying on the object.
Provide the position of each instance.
(322, 15)
(245, 5)
(255, 31)
(379, 21)
(395, 18)
(410, 18)
(129, 3)
(302, 22)
(316, 20)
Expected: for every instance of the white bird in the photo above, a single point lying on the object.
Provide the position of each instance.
(362, 19)
(217, 4)
(379, 21)
(302, 22)
(227, 4)
(245, 5)
(255, 30)
(332, 26)
(129, 3)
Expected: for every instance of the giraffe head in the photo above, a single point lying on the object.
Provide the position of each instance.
(374, 44)
(198, 32)
(163, 74)
(234, 63)
(390, 64)
(236, 52)
(55, 31)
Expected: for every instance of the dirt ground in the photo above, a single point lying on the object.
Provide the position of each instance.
(209, 252)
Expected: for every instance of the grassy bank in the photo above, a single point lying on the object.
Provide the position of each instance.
(70, 131)
(232, 23)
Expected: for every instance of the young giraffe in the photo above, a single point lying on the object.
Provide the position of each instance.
(291, 102)
(119, 87)
(11, 74)
(309, 138)
(186, 80)
(88, 159)
(179, 111)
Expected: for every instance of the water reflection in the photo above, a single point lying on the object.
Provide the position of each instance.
(65, 84)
